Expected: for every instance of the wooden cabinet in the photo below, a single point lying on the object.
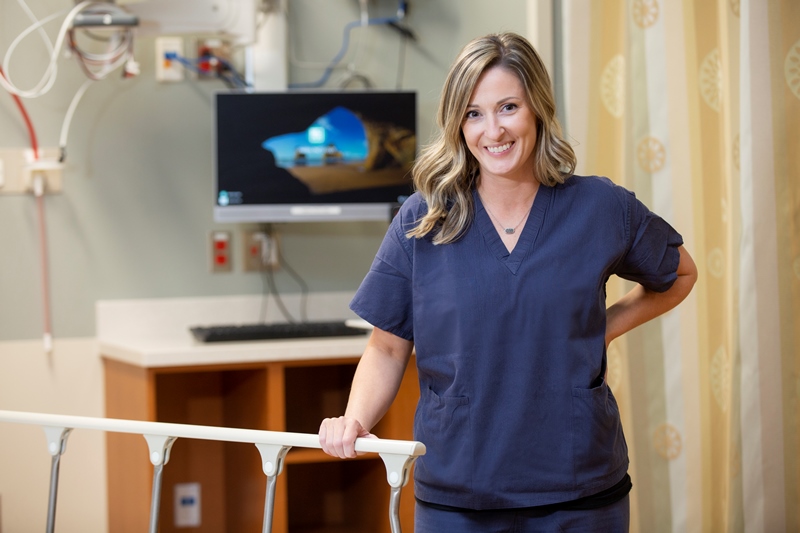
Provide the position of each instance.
(315, 493)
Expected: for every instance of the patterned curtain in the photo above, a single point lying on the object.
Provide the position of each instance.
(695, 106)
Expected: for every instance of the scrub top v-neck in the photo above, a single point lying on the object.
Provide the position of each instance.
(527, 236)
(510, 347)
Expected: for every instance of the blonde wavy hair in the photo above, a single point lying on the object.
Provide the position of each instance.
(446, 172)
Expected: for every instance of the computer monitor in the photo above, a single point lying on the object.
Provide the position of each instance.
(312, 156)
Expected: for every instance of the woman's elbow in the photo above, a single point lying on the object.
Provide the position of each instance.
(687, 272)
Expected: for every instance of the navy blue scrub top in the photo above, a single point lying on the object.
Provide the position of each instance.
(510, 347)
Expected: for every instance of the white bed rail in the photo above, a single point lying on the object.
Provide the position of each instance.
(397, 455)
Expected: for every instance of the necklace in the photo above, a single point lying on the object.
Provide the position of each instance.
(506, 229)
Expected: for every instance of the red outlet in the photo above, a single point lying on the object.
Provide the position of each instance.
(221, 251)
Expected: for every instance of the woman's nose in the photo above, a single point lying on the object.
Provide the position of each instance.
(494, 129)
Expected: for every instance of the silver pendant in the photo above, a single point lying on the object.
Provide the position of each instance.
(509, 230)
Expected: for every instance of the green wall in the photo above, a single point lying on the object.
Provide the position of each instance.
(135, 214)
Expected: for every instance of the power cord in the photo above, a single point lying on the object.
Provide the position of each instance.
(62, 140)
(278, 300)
(392, 22)
(270, 287)
(234, 81)
(38, 190)
(300, 281)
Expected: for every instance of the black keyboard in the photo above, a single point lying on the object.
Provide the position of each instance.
(259, 332)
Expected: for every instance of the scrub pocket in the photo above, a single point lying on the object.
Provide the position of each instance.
(598, 445)
(442, 424)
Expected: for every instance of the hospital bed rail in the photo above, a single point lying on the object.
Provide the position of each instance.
(398, 456)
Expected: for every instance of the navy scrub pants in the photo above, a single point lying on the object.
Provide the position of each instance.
(614, 518)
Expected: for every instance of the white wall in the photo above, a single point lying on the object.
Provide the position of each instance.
(68, 381)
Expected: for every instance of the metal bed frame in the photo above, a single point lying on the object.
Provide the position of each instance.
(398, 456)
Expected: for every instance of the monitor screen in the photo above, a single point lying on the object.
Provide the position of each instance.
(312, 156)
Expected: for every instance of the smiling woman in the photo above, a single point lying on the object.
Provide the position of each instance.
(494, 272)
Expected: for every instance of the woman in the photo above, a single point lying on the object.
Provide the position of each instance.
(494, 271)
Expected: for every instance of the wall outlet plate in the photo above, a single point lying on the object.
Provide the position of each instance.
(260, 250)
(46, 169)
(221, 256)
(17, 168)
(169, 69)
(214, 57)
(187, 505)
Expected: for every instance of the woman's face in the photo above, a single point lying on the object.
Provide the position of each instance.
(499, 126)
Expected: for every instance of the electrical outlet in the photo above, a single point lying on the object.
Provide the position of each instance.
(18, 169)
(260, 251)
(221, 251)
(213, 57)
(169, 69)
(187, 505)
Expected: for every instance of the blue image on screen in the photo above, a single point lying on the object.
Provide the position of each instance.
(338, 136)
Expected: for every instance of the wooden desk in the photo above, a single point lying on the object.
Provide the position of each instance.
(279, 386)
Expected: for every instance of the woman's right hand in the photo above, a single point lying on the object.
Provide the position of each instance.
(375, 385)
(338, 436)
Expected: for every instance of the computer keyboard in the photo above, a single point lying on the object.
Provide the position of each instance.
(257, 332)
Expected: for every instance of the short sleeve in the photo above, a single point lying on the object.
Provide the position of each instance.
(652, 257)
(384, 298)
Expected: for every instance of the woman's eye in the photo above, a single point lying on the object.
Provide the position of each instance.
(509, 107)
(471, 114)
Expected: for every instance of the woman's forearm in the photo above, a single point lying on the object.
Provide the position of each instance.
(374, 388)
(377, 378)
(641, 305)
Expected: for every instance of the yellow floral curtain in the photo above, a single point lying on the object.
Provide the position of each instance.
(695, 106)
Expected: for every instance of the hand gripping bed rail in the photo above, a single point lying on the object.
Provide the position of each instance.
(397, 455)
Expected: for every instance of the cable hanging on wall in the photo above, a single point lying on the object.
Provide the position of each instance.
(271, 288)
(392, 22)
(38, 189)
(85, 15)
(96, 66)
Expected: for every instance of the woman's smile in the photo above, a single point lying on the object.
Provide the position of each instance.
(499, 149)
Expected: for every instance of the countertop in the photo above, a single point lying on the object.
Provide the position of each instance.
(154, 333)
